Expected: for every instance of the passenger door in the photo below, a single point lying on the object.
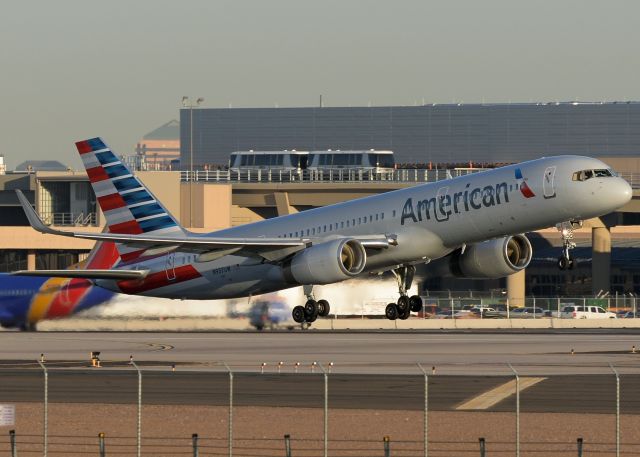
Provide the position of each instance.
(548, 183)
(170, 266)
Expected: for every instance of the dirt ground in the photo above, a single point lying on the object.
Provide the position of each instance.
(259, 431)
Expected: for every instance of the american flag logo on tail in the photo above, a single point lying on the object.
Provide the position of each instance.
(128, 206)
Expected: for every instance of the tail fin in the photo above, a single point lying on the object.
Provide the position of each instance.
(128, 206)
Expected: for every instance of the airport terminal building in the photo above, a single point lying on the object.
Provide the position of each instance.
(449, 133)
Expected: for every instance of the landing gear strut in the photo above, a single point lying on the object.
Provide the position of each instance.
(405, 304)
(312, 309)
(565, 261)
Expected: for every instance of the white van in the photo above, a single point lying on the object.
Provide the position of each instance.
(586, 312)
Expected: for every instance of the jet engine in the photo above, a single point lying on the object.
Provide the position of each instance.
(490, 259)
(326, 263)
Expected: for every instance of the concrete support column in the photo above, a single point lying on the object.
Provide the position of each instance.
(282, 204)
(515, 288)
(31, 260)
(601, 263)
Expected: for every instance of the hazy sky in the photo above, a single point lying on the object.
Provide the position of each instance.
(118, 69)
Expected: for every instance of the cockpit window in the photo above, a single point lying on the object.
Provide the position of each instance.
(583, 175)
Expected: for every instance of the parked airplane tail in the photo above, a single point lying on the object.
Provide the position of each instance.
(128, 206)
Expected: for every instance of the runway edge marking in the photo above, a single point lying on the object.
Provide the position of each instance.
(494, 396)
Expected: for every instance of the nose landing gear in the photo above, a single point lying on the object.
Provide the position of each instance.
(405, 304)
(311, 310)
(565, 261)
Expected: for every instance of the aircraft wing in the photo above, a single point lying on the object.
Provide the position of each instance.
(208, 247)
(86, 274)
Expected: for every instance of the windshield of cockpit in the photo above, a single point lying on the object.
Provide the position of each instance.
(583, 175)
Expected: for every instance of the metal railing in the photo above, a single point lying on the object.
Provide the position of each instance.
(71, 219)
(346, 175)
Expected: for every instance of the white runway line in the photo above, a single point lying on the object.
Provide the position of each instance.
(494, 396)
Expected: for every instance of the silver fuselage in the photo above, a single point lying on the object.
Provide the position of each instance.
(429, 220)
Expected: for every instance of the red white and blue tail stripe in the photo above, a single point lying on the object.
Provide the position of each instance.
(128, 206)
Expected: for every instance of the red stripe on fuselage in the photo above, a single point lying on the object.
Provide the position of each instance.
(111, 201)
(126, 228)
(97, 174)
(68, 297)
(159, 279)
(83, 147)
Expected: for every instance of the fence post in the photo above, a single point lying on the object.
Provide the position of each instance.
(101, 445)
(194, 444)
(580, 447)
(426, 410)
(230, 431)
(517, 410)
(483, 448)
(139, 431)
(45, 433)
(387, 448)
(617, 409)
(12, 440)
(287, 445)
(326, 410)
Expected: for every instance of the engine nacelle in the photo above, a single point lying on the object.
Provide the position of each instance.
(328, 262)
(491, 259)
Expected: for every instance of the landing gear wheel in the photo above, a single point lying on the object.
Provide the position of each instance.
(391, 311)
(404, 315)
(298, 314)
(572, 263)
(415, 303)
(564, 262)
(311, 310)
(403, 303)
(323, 308)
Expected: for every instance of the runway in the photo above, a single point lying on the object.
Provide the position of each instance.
(353, 353)
(573, 393)
(369, 370)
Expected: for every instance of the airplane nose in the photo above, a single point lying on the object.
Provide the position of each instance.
(619, 193)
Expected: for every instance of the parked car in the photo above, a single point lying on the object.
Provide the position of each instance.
(528, 312)
(586, 312)
(485, 312)
(628, 314)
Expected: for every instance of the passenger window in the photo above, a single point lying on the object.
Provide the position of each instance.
(313, 231)
(330, 227)
(382, 216)
(601, 311)
(393, 214)
(342, 224)
(347, 223)
(377, 215)
(353, 222)
(324, 228)
(370, 218)
(296, 234)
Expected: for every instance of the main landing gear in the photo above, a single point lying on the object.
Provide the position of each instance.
(565, 261)
(312, 309)
(405, 305)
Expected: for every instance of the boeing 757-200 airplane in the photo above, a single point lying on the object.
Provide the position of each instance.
(476, 222)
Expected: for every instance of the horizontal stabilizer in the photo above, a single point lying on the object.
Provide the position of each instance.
(86, 274)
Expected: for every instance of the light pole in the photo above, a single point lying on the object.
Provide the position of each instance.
(188, 103)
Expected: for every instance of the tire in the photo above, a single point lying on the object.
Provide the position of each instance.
(572, 264)
(404, 315)
(391, 311)
(403, 303)
(298, 314)
(323, 308)
(563, 263)
(311, 310)
(415, 303)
